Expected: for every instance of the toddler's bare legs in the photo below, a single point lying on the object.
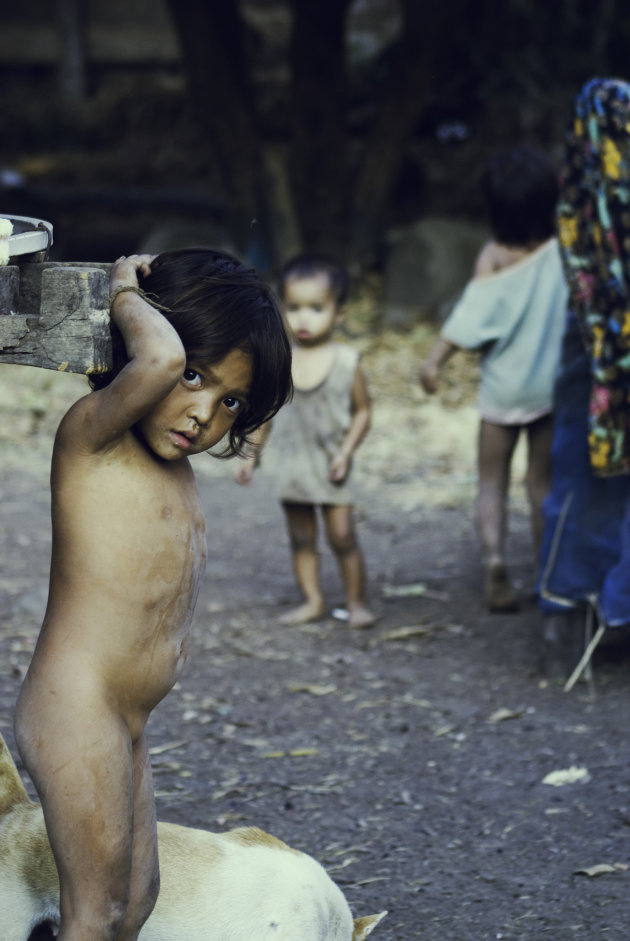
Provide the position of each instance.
(97, 794)
(302, 526)
(496, 448)
(342, 539)
(538, 476)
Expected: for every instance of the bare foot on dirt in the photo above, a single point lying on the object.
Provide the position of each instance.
(359, 616)
(309, 611)
(500, 596)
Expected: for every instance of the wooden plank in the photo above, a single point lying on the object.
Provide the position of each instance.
(9, 289)
(56, 316)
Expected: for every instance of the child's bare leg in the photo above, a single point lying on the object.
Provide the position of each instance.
(145, 879)
(496, 447)
(342, 539)
(83, 765)
(302, 526)
(538, 476)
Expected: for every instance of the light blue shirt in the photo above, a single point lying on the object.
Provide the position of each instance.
(515, 318)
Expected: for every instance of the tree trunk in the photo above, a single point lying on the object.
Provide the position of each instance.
(319, 168)
(413, 72)
(210, 34)
(70, 15)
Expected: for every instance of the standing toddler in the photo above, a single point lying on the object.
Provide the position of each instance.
(317, 434)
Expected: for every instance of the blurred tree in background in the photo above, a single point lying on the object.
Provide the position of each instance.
(500, 65)
(313, 123)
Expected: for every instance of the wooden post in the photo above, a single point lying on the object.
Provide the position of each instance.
(56, 315)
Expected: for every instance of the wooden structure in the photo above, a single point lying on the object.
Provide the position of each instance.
(56, 316)
(52, 314)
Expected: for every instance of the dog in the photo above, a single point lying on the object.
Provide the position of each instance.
(243, 885)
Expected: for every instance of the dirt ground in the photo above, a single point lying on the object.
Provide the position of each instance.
(425, 762)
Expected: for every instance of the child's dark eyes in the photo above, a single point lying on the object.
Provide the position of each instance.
(195, 380)
(192, 376)
(294, 308)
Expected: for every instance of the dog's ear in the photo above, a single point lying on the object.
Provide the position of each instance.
(12, 791)
(366, 925)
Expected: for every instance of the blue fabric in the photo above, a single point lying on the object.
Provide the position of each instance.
(585, 554)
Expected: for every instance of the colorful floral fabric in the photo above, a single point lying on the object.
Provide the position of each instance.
(594, 234)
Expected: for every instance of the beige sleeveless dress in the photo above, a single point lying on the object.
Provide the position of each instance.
(308, 432)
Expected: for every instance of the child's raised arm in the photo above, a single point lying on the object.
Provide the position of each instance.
(156, 361)
(359, 425)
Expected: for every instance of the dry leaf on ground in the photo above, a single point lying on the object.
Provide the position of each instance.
(572, 775)
(600, 869)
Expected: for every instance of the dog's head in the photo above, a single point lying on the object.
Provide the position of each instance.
(12, 791)
(366, 925)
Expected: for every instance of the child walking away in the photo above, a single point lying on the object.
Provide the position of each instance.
(204, 357)
(317, 434)
(513, 312)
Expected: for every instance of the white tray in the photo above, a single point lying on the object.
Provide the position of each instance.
(29, 235)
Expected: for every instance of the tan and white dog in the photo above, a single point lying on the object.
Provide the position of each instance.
(243, 885)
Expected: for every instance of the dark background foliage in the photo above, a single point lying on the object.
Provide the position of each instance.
(304, 124)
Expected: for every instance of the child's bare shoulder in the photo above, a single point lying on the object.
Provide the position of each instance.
(71, 425)
(495, 256)
(74, 427)
(75, 435)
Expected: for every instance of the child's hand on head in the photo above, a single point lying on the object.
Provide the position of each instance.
(125, 270)
(338, 468)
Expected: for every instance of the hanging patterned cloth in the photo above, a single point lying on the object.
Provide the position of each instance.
(594, 232)
(585, 555)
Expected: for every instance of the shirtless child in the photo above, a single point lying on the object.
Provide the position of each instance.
(128, 552)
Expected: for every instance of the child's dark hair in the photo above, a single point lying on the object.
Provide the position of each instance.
(521, 190)
(311, 264)
(218, 304)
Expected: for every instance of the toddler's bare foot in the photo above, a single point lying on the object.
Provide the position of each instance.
(360, 616)
(500, 596)
(309, 611)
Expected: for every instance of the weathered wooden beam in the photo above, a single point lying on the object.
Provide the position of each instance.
(56, 315)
